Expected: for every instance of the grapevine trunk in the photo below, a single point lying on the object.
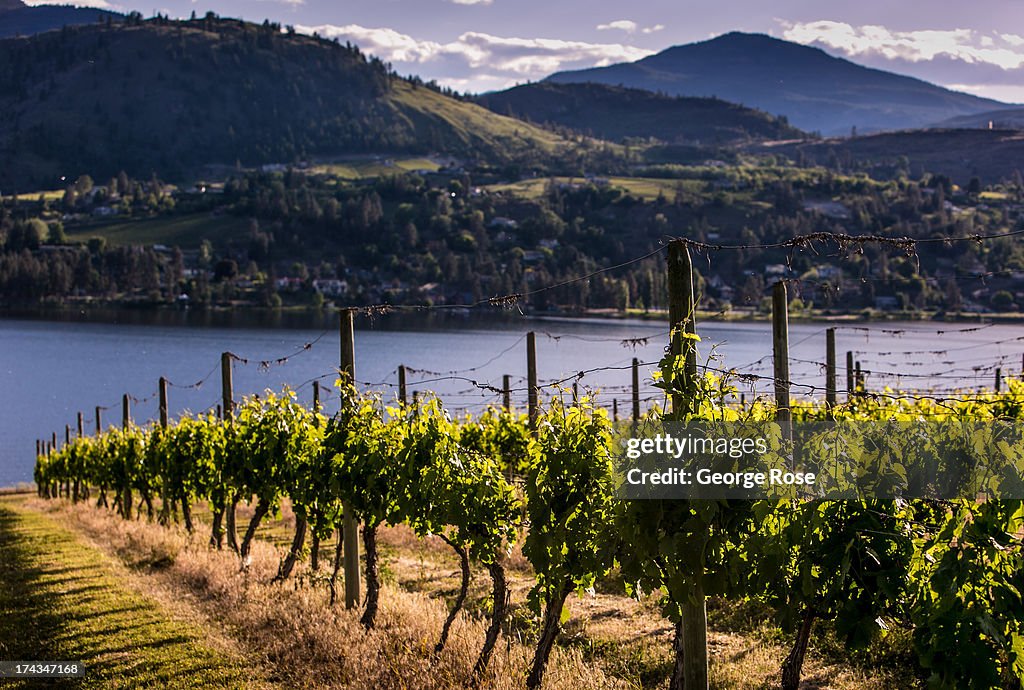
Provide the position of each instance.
(230, 524)
(337, 565)
(186, 515)
(372, 576)
(262, 507)
(217, 531)
(459, 600)
(552, 621)
(499, 592)
(298, 541)
(792, 666)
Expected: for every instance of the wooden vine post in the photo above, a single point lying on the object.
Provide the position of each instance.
(780, 358)
(99, 431)
(42, 489)
(531, 378)
(830, 368)
(78, 489)
(506, 392)
(681, 308)
(163, 403)
(402, 391)
(692, 632)
(227, 394)
(350, 529)
(636, 394)
(126, 490)
(227, 414)
(849, 376)
(67, 441)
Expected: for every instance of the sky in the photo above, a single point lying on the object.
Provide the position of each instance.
(481, 45)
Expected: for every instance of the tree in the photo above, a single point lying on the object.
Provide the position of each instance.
(56, 233)
(225, 269)
(33, 233)
(1003, 300)
(83, 185)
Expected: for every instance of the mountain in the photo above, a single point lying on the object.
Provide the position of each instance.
(616, 113)
(1007, 118)
(18, 19)
(993, 155)
(814, 90)
(170, 96)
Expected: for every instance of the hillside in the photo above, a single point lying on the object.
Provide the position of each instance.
(991, 155)
(171, 96)
(613, 112)
(815, 91)
(1008, 118)
(18, 19)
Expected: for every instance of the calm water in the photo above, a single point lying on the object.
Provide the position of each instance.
(50, 370)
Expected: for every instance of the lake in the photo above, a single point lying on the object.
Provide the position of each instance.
(52, 369)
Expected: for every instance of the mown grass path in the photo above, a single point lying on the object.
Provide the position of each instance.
(61, 599)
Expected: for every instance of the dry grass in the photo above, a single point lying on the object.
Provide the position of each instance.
(293, 629)
(609, 642)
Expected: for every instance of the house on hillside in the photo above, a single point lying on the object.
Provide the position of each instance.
(503, 223)
(287, 284)
(829, 209)
(331, 287)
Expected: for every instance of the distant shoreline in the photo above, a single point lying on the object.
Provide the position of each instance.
(306, 317)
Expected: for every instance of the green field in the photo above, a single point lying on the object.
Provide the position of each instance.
(375, 167)
(185, 231)
(647, 188)
(48, 195)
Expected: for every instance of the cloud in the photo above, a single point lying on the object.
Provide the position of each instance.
(629, 26)
(621, 24)
(94, 4)
(471, 2)
(1008, 93)
(385, 43)
(963, 44)
(476, 60)
(982, 63)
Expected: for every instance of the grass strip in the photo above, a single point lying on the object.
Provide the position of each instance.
(61, 599)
